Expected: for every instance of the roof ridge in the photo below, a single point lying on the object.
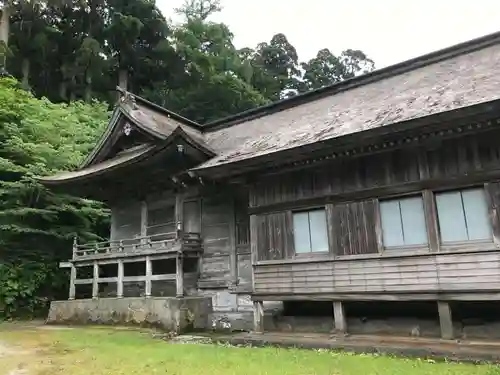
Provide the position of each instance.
(365, 79)
(159, 108)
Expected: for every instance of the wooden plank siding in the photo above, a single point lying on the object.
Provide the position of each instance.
(216, 217)
(438, 163)
(242, 243)
(357, 261)
(353, 228)
(274, 236)
(430, 273)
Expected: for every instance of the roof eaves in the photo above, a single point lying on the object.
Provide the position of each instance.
(376, 75)
(104, 137)
(485, 110)
(138, 155)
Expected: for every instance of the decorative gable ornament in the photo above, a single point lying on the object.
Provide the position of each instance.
(127, 129)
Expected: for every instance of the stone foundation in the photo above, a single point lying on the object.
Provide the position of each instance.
(168, 313)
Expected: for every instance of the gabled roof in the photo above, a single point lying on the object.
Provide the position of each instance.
(458, 77)
(446, 80)
(118, 161)
(150, 118)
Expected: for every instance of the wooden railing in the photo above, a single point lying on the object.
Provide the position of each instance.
(160, 242)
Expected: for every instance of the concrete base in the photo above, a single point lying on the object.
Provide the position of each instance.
(168, 313)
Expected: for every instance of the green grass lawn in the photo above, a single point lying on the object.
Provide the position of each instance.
(102, 351)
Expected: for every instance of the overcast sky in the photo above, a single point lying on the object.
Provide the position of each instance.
(388, 31)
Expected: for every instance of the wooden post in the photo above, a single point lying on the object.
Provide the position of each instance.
(149, 273)
(179, 276)
(258, 317)
(179, 205)
(95, 281)
(144, 223)
(445, 320)
(431, 220)
(75, 247)
(72, 278)
(233, 255)
(119, 282)
(339, 317)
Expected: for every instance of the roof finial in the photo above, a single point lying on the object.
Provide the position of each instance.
(128, 98)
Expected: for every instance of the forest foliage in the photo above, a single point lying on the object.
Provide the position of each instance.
(36, 225)
(61, 61)
(67, 50)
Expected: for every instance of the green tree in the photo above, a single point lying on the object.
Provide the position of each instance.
(326, 68)
(199, 9)
(207, 84)
(275, 67)
(36, 225)
(135, 30)
(29, 40)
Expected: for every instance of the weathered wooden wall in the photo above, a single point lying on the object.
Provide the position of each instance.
(226, 271)
(126, 223)
(383, 173)
(216, 224)
(242, 244)
(429, 273)
(349, 191)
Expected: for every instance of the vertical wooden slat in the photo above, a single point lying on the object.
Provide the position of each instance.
(473, 141)
(338, 224)
(492, 190)
(149, 273)
(330, 224)
(233, 258)
(271, 240)
(354, 228)
(445, 320)
(258, 317)
(72, 278)
(119, 283)
(144, 218)
(179, 211)
(423, 165)
(339, 317)
(378, 226)
(254, 238)
(144, 223)
(289, 241)
(95, 281)
(179, 276)
(271, 236)
(431, 221)
(369, 222)
(355, 236)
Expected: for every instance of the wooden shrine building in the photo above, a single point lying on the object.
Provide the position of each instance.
(382, 188)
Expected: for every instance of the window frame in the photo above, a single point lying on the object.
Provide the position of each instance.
(311, 253)
(380, 227)
(463, 244)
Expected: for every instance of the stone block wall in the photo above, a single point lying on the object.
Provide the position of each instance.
(170, 314)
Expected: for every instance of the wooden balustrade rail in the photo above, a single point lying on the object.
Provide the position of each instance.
(161, 241)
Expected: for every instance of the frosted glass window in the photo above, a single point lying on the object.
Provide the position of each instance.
(463, 216)
(310, 232)
(403, 222)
